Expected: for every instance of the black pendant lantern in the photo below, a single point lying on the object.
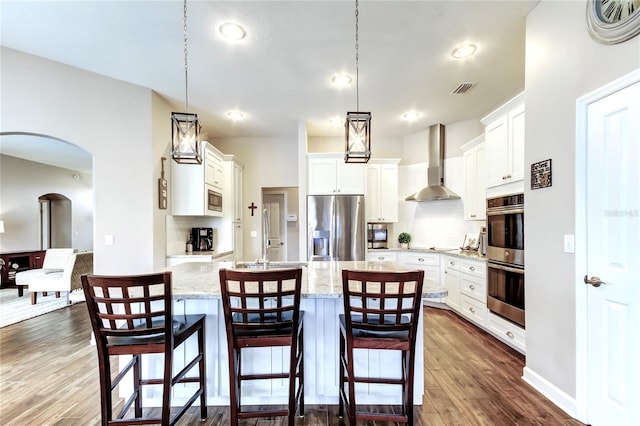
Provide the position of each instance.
(357, 126)
(185, 126)
(185, 138)
(358, 137)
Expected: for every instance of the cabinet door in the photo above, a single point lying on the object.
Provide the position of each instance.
(451, 280)
(237, 241)
(481, 182)
(237, 192)
(322, 176)
(349, 178)
(470, 189)
(372, 194)
(389, 192)
(516, 136)
(497, 152)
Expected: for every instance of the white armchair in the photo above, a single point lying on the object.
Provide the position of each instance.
(66, 280)
(55, 260)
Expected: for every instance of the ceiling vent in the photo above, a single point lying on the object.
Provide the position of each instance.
(462, 88)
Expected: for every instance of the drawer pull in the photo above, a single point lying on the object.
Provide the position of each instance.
(510, 335)
(472, 287)
(421, 259)
(473, 311)
(380, 257)
(471, 268)
(451, 262)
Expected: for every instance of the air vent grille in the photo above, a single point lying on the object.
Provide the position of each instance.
(462, 88)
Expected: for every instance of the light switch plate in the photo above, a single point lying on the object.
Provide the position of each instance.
(569, 244)
(254, 234)
(108, 240)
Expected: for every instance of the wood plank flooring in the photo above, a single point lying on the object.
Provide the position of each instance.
(48, 376)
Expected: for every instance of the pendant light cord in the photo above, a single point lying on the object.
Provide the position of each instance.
(186, 76)
(357, 60)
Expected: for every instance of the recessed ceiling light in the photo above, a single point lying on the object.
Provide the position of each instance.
(341, 80)
(464, 51)
(411, 115)
(235, 115)
(232, 32)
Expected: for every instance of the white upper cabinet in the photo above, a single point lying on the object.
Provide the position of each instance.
(474, 179)
(190, 184)
(504, 141)
(213, 168)
(329, 175)
(381, 195)
(234, 171)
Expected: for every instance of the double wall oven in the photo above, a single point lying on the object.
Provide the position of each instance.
(505, 257)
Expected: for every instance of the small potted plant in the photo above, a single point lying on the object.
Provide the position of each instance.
(404, 239)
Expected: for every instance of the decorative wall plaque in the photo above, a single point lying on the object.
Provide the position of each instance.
(541, 174)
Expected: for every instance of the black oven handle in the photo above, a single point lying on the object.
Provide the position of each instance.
(505, 268)
(506, 211)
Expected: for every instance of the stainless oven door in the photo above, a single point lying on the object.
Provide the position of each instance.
(214, 201)
(505, 236)
(505, 291)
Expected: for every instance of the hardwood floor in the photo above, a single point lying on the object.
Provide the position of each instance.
(48, 376)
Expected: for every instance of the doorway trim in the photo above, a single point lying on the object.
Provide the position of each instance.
(582, 104)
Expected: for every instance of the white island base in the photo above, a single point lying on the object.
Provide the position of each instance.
(321, 346)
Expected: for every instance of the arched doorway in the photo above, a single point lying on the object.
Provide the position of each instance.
(55, 221)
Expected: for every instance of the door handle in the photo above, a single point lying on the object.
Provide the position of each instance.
(594, 281)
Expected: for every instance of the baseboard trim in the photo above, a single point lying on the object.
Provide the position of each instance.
(564, 401)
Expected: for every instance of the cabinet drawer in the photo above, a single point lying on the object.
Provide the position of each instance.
(422, 259)
(382, 257)
(472, 267)
(451, 262)
(474, 287)
(474, 310)
(506, 331)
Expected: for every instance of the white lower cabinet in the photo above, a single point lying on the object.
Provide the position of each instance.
(428, 262)
(466, 282)
(506, 331)
(451, 277)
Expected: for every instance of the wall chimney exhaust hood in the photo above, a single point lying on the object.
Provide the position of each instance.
(435, 173)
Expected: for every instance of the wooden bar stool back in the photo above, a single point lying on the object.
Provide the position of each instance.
(381, 312)
(132, 315)
(262, 309)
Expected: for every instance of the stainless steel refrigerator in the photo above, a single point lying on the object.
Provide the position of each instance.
(336, 228)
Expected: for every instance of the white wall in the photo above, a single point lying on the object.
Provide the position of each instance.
(21, 183)
(268, 163)
(112, 120)
(562, 63)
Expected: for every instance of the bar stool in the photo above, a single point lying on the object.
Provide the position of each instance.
(262, 309)
(132, 315)
(381, 312)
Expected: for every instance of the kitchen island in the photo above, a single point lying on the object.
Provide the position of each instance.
(196, 289)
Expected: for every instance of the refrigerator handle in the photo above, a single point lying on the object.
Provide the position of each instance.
(332, 231)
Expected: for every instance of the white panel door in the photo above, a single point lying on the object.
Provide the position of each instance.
(275, 204)
(613, 232)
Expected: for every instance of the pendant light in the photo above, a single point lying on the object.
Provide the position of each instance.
(185, 126)
(358, 124)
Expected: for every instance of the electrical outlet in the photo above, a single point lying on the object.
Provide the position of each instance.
(108, 240)
(254, 234)
(569, 244)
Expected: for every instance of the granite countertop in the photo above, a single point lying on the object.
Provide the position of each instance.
(448, 251)
(194, 280)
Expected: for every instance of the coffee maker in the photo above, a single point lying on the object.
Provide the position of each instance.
(202, 239)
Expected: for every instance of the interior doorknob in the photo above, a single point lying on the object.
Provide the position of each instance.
(594, 281)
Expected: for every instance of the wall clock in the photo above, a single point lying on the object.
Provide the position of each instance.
(613, 21)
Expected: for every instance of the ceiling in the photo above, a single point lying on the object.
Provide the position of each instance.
(281, 72)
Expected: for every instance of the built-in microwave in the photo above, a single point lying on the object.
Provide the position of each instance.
(377, 235)
(214, 201)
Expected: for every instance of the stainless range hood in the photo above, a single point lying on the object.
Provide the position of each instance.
(435, 173)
